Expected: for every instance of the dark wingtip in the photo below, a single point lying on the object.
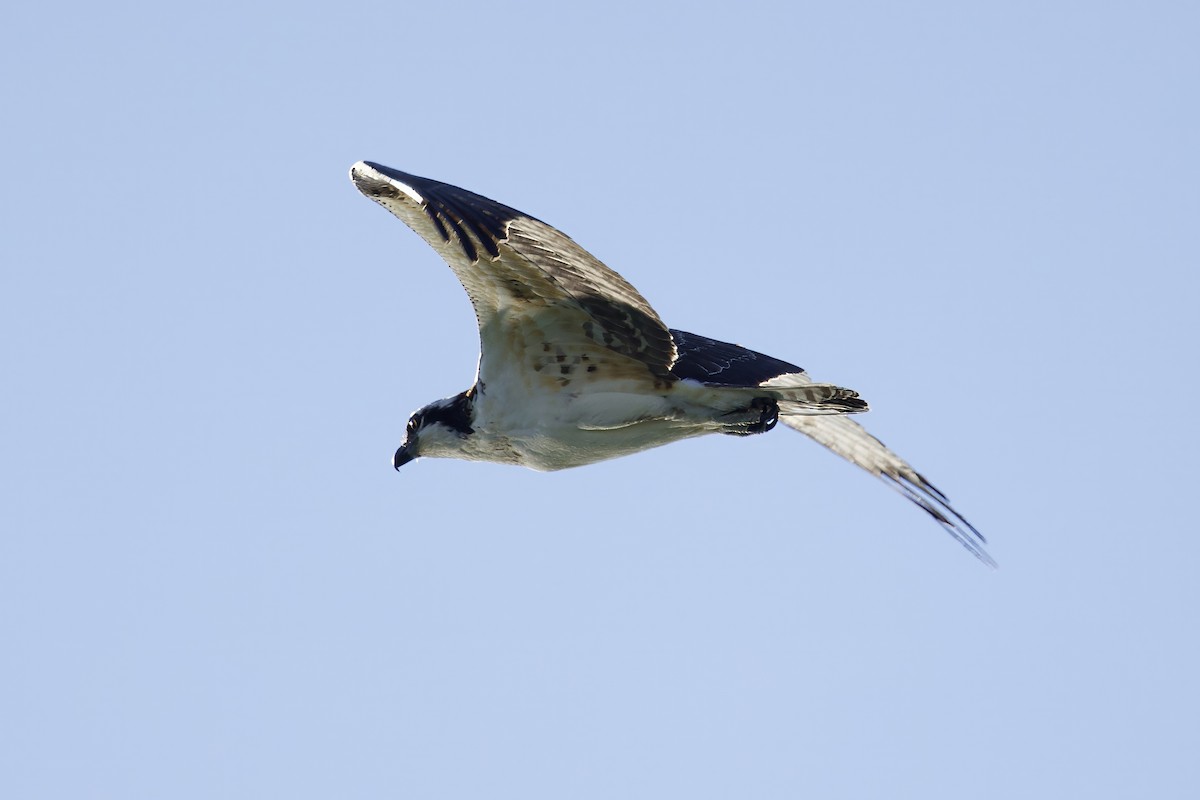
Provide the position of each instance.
(935, 504)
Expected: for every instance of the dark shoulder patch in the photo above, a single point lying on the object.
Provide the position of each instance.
(723, 364)
(471, 217)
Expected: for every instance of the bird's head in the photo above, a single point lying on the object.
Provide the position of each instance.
(438, 430)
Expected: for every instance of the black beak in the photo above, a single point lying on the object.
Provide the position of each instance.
(402, 457)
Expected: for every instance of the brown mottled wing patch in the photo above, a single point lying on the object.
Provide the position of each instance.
(620, 318)
(512, 265)
(551, 356)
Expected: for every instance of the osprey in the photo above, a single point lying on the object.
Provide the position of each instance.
(576, 367)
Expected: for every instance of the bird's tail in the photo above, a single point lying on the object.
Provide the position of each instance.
(797, 395)
(794, 393)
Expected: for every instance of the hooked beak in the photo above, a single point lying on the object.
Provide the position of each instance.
(402, 457)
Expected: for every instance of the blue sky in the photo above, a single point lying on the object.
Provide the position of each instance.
(981, 216)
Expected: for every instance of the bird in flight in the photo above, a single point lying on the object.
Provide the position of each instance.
(576, 367)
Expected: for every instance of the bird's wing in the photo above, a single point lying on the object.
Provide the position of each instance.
(515, 267)
(851, 441)
(733, 367)
(719, 363)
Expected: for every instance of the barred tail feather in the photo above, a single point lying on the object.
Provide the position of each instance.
(797, 394)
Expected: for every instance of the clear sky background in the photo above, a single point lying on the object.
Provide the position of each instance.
(982, 216)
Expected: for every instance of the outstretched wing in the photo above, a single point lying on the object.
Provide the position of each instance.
(515, 267)
(722, 364)
(851, 441)
(719, 363)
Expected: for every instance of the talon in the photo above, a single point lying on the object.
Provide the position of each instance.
(769, 416)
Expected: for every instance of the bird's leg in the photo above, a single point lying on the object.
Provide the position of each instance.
(767, 417)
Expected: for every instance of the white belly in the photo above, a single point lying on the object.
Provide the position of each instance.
(561, 430)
